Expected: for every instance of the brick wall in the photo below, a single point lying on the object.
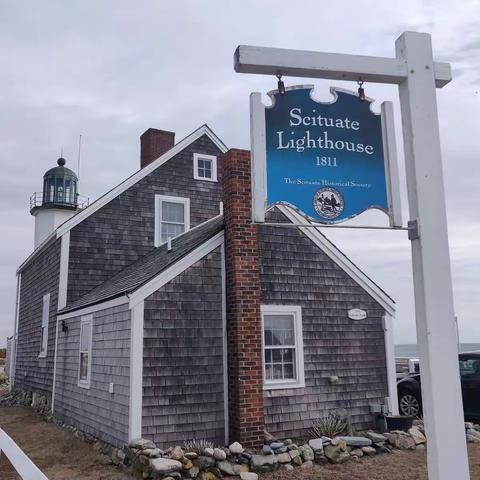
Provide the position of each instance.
(243, 303)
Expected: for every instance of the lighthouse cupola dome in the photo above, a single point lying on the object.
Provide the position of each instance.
(60, 186)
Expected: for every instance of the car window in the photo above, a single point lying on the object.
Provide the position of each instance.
(470, 367)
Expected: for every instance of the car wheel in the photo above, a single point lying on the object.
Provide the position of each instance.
(409, 404)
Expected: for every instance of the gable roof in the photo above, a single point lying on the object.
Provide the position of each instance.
(137, 176)
(149, 266)
(335, 254)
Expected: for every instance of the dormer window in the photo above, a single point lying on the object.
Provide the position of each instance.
(204, 167)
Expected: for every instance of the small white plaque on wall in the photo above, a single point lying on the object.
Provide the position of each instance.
(357, 314)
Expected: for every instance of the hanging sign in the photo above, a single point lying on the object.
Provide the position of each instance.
(330, 161)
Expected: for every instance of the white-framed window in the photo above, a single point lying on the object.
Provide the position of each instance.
(204, 167)
(282, 347)
(44, 327)
(172, 217)
(85, 351)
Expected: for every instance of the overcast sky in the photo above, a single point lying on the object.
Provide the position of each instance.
(109, 70)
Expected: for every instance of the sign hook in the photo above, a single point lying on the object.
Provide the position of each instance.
(280, 85)
(361, 91)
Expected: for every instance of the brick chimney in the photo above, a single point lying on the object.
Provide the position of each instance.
(245, 374)
(153, 144)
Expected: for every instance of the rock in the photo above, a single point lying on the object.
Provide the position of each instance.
(320, 458)
(293, 446)
(177, 453)
(191, 455)
(165, 465)
(401, 441)
(383, 449)
(208, 452)
(316, 444)
(469, 426)
(236, 448)
(297, 461)
(204, 462)
(142, 444)
(283, 458)
(263, 460)
(248, 476)
(307, 464)
(151, 452)
(369, 451)
(420, 447)
(307, 453)
(174, 475)
(193, 472)
(417, 435)
(207, 476)
(280, 450)
(472, 439)
(337, 442)
(357, 441)
(473, 433)
(243, 460)
(267, 450)
(228, 468)
(294, 453)
(357, 452)
(326, 440)
(288, 442)
(276, 445)
(288, 467)
(247, 455)
(376, 437)
(336, 454)
(219, 454)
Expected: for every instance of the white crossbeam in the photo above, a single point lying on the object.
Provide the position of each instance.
(334, 66)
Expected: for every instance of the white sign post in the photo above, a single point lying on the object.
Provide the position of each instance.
(417, 76)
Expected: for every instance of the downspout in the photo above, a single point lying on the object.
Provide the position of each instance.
(390, 362)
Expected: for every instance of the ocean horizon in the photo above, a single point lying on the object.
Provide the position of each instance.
(410, 349)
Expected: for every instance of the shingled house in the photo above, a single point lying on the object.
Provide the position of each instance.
(160, 311)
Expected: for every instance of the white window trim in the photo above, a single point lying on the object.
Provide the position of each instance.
(45, 321)
(213, 159)
(296, 311)
(85, 383)
(158, 208)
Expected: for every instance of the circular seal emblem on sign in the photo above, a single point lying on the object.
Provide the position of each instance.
(328, 202)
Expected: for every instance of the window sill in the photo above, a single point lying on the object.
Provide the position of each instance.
(205, 179)
(84, 385)
(283, 386)
(42, 355)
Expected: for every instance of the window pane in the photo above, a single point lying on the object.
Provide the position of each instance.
(85, 336)
(287, 355)
(279, 330)
(276, 356)
(277, 371)
(83, 366)
(173, 212)
(268, 372)
(43, 339)
(204, 168)
(171, 230)
(288, 371)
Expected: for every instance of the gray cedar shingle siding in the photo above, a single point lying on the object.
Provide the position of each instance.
(122, 231)
(95, 410)
(296, 272)
(39, 277)
(183, 390)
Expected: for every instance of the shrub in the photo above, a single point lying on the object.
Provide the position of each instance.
(330, 425)
(197, 446)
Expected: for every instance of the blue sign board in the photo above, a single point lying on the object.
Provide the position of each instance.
(325, 159)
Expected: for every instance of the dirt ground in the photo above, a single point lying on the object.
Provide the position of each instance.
(61, 456)
(400, 465)
(56, 452)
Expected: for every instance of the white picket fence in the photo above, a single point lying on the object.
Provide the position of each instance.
(22, 464)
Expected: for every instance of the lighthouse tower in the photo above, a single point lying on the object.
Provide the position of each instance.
(57, 203)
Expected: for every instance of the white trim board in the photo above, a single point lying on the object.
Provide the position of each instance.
(63, 275)
(102, 201)
(341, 260)
(94, 308)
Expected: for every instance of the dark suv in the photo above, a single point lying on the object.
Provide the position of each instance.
(410, 393)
